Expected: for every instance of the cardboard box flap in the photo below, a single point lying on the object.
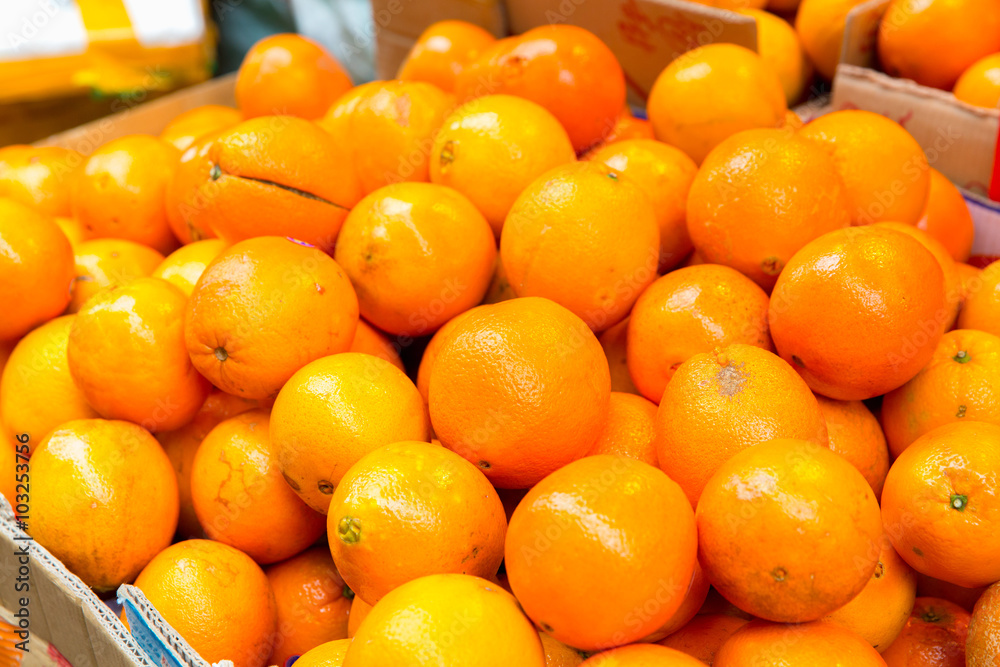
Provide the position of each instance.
(861, 34)
(154, 635)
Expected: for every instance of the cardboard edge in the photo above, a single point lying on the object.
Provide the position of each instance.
(160, 641)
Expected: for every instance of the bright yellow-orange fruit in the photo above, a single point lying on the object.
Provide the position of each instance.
(39, 176)
(187, 127)
(369, 340)
(856, 435)
(816, 644)
(104, 263)
(981, 309)
(185, 265)
(820, 26)
(442, 51)
(780, 47)
(946, 216)
(979, 85)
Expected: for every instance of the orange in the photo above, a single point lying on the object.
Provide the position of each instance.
(104, 263)
(185, 265)
(401, 498)
(983, 645)
(820, 26)
(72, 228)
(103, 499)
(934, 636)
(966, 598)
(216, 598)
(359, 611)
(558, 559)
(37, 393)
(456, 619)
(493, 147)
(289, 75)
(946, 217)
(884, 169)
(369, 340)
(615, 344)
(519, 388)
(330, 654)
(704, 635)
(417, 254)
(442, 51)
(601, 242)
(979, 85)
(39, 176)
(500, 289)
(695, 597)
(186, 199)
(711, 93)
(971, 277)
(760, 196)
(431, 351)
(879, 612)
(793, 121)
(564, 68)
(981, 309)
(723, 402)
(120, 192)
(627, 127)
(734, 5)
(264, 309)
(832, 285)
(187, 127)
(36, 269)
(961, 383)
(856, 435)
(816, 644)
(558, 654)
(664, 174)
(313, 603)
(780, 48)
(941, 501)
(643, 655)
(933, 42)
(629, 429)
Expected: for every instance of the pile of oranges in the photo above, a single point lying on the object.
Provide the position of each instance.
(474, 367)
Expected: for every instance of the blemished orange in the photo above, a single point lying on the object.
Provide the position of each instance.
(216, 598)
(941, 500)
(36, 269)
(759, 197)
(652, 557)
(418, 254)
(104, 263)
(185, 265)
(884, 169)
(103, 537)
(564, 68)
(39, 176)
(398, 499)
(615, 344)
(418, 619)
(820, 26)
(191, 125)
(816, 644)
(186, 198)
(330, 654)
(491, 148)
(601, 242)
(643, 655)
(689, 109)
(960, 383)
(722, 402)
(369, 340)
(629, 429)
(664, 174)
(441, 52)
(694, 599)
(704, 635)
(934, 636)
(290, 75)
(558, 654)
(430, 353)
(359, 611)
(537, 397)
(981, 309)
(946, 217)
(879, 612)
(829, 287)
(264, 309)
(983, 643)
(127, 356)
(780, 47)
(335, 410)
(854, 433)
(120, 191)
(313, 603)
(966, 598)
(933, 42)
(37, 392)
(979, 85)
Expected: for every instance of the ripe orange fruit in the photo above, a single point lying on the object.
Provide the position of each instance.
(330, 654)
(419, 619)
(971, 277)
(417, 254)
(40, 177)
(104, 263)
(186, 199)
(500, 289)
(264, 309)
(359, 611)
(946, 217)
(493, 147)
(883, 168)
(120, 192)
(103, 499)
(313, 603)
(601, 242)
(820, 26)
(966, 598)
(629, 429)
(72, 228)
(558, 654)
(814, 523)
(817, 644)
(615, 343)
(191, 125)
(981, 309)
(935, 634)
(627, 127)
(979, 85)
(704, 635)
(643, 655)
(430, 352)
(723, 402)
(36, 269)
(940, 500)
(827, 288)
(185, 265)
(664, 174)
(687, 111)
(564, 68)
(552, 549)
(481, 409)
(289, 75)
(760, 196)
(780, 48)
(402, 497)
(856, 435)
(369, 340)
(216, 598)
(442, 51)
(694, 599)
(982, 649)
